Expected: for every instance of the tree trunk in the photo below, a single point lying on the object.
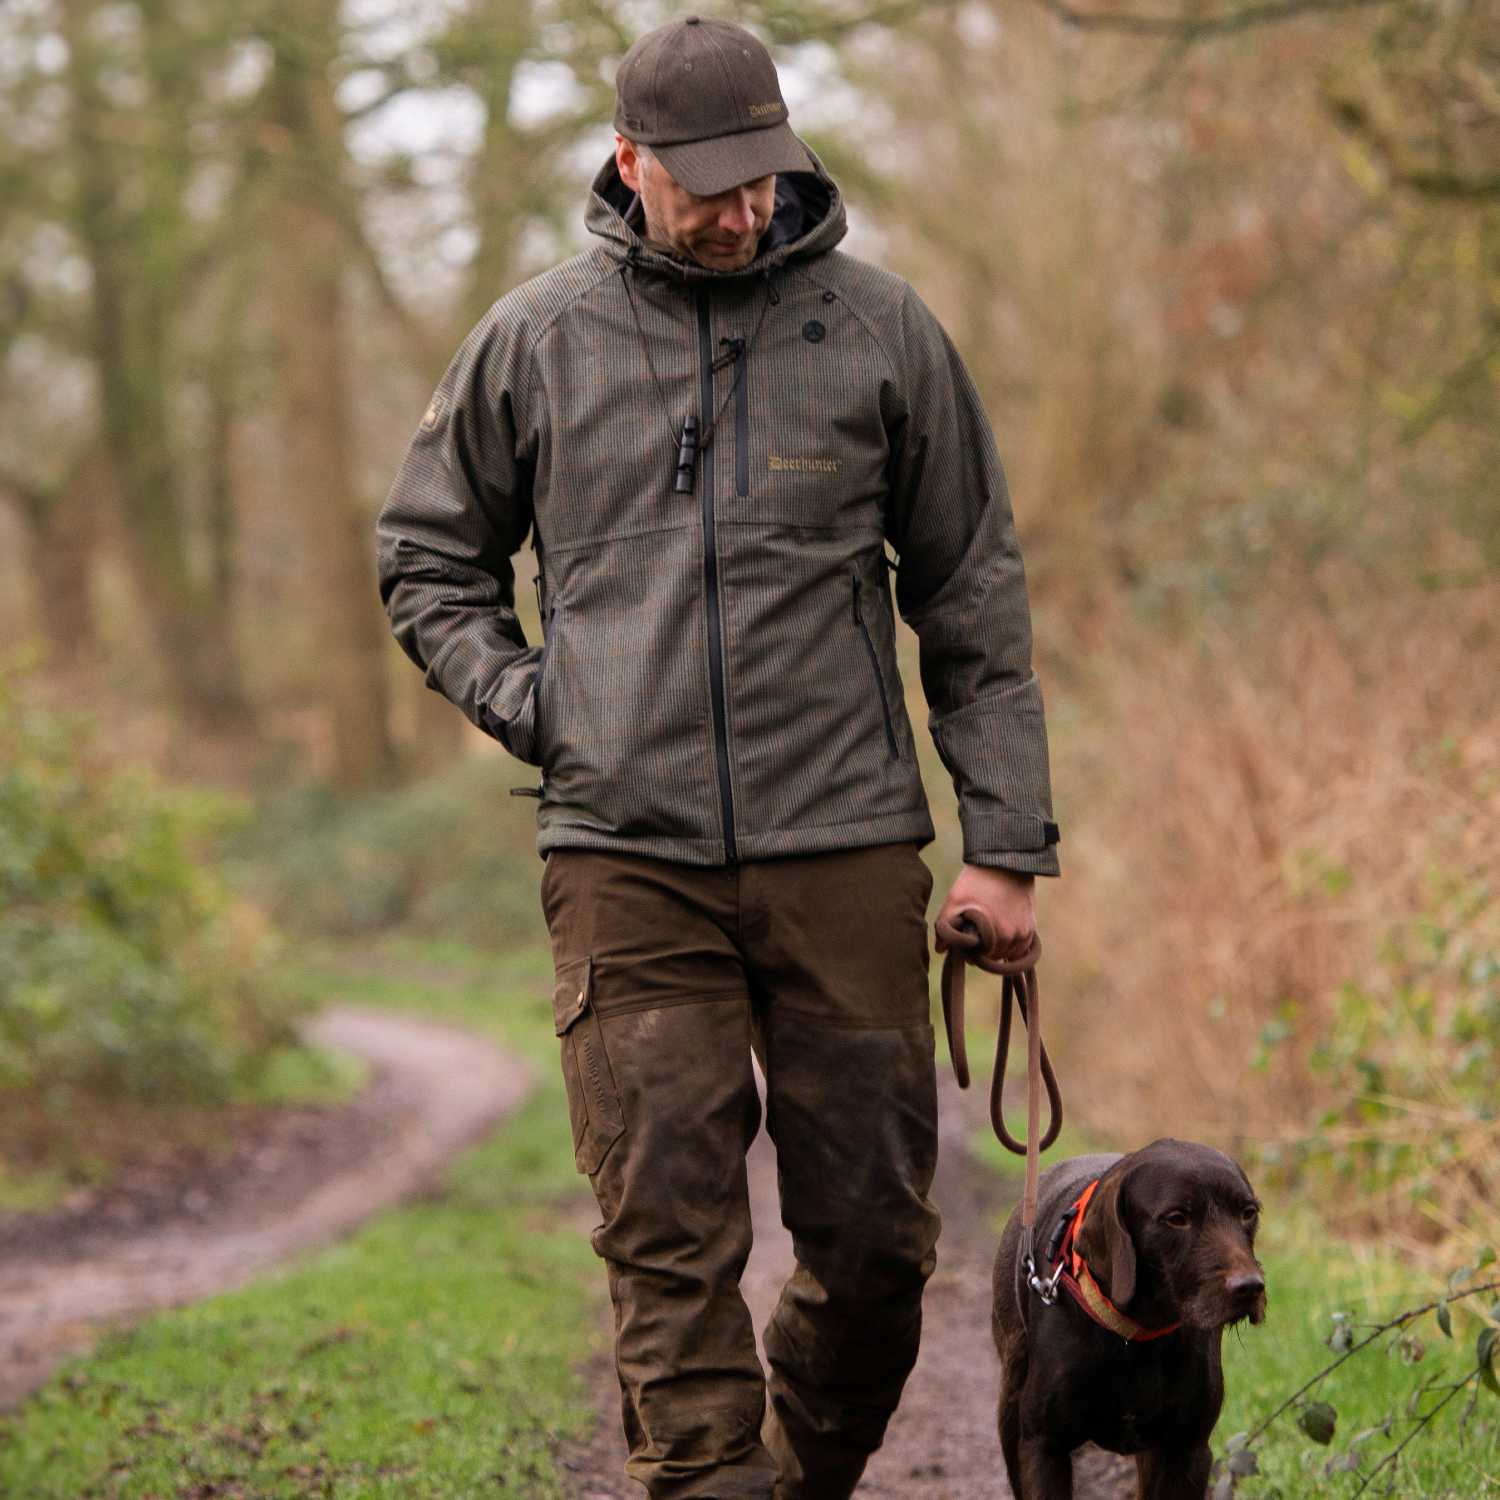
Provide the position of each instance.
(59, 535)
(310, 313)
(134, 255)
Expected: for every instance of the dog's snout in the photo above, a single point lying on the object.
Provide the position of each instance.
(1247, 1294)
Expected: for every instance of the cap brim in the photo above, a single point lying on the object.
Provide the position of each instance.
(725, 161)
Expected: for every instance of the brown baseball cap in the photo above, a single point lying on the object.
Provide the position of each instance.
(704, 95)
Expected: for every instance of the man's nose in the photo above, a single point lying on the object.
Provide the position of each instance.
(736, 216)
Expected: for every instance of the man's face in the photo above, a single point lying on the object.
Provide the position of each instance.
(720, 232)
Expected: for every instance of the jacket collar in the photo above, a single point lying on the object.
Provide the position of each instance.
(808, 219)
(1073, 1272)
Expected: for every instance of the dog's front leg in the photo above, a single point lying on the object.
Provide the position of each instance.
(1046, 1473)
(1010, 1439)
(1174, 1473)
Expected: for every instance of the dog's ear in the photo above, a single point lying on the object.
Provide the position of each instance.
(1105, 1242)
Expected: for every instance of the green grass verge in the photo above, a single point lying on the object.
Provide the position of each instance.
(1310, 1276)
(307, 1075)
(431, 1354)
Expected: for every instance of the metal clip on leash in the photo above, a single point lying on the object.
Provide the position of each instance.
(967, 940)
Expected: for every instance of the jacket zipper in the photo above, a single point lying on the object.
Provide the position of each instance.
(742, 423)
(549, 630)
(885, 703)
(549, 634)
(711, 587)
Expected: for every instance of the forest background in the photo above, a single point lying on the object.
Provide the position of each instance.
(1228, 279)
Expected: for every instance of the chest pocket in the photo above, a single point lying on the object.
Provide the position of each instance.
(810, 448)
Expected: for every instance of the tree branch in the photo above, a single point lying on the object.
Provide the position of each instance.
(1399, 1321)
(1388, 1460)
(1197, 27)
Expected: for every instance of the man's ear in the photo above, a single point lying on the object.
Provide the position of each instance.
(1105, 1242)
(628, 160)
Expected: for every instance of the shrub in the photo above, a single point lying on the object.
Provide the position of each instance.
(451, 856)
(125, 968)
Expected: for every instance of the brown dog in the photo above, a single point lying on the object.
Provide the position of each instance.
(1157, 1263)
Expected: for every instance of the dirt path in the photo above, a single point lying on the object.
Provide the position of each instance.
(436, 1089)
(942, 1444)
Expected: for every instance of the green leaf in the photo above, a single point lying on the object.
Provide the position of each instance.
(1486, 1258)
(1484, 1357)
(1445, 1319)
(1318, 1420)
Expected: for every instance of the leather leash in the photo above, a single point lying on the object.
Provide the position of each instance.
(968, 939)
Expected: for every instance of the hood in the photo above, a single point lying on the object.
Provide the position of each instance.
(808, 219)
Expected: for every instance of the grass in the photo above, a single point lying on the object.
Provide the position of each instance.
(29, 1192)
(308, 1075)
(432, 1354)
(1311, 1276)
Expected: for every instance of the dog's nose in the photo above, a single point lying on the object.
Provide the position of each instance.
(1245, 1285)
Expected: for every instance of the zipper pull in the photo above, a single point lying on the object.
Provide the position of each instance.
(736, 349)
(687, 456)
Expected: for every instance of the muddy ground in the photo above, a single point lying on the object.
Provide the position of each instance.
(178, 1230)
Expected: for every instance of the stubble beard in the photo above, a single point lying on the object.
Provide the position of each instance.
(657, 232)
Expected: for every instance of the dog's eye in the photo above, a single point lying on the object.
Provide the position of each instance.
(1250, 1212)
(1178, 1218)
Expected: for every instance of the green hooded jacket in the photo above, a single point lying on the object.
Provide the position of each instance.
(718, 678)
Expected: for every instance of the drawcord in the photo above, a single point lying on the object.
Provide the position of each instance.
(739, 350)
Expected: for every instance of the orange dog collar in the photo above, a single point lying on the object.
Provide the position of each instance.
(1072, 1272)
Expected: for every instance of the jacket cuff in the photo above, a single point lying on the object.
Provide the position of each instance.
(1043, 862)
(1009, 839)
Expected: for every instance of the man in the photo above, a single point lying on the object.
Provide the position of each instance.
(711, 424)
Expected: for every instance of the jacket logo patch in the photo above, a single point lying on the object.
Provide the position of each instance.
(434, 413)
(767, 109)
(803, 465)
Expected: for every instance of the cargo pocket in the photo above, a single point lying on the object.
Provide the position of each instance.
(593, 1099)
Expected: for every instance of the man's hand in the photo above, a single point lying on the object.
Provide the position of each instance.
(1008, 898)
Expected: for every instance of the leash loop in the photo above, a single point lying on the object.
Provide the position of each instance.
(969, 939)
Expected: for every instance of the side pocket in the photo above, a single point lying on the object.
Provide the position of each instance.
(885, 702)
(549, 634)
(593, 1100)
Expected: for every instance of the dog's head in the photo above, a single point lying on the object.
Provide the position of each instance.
(1171, 1229)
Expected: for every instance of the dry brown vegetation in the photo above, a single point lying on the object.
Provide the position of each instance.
(1229, 328)
(1278, 927)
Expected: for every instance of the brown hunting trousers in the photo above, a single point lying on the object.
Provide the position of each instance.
(667, 976)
